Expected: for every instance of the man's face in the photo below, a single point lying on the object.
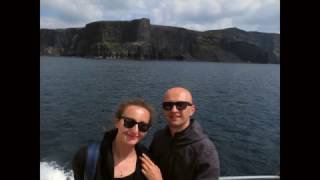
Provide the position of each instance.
(178, 119)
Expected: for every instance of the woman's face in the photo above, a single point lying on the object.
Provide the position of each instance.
(132, 136)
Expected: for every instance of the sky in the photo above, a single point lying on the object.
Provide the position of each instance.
(201, 15)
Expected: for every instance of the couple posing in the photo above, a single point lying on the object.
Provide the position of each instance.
(180, 151)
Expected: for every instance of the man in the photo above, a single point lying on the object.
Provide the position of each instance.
(181, 150)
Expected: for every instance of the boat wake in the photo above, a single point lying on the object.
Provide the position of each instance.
(52, 171)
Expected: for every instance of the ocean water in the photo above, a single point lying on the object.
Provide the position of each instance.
(238, 105)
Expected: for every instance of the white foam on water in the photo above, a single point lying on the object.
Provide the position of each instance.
(52, 171)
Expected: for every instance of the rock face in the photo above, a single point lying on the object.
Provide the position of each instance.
(138, 39)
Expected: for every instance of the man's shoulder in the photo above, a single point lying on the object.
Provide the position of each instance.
(201, 140)
(207, 142)
(202, 134)
(205, 148)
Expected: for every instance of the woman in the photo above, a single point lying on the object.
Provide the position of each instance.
(120, 149)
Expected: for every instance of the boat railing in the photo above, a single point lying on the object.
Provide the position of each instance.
(248, 177)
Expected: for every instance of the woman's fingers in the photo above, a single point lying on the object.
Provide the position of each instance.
(147, 159)
(145, 165)
(144, 172)
(149, 169)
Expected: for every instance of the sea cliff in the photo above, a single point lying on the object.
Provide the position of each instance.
(138, 39)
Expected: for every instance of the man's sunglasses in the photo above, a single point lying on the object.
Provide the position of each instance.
(129, 123)
(180, 105)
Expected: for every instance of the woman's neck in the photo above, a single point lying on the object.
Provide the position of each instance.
(124, 157)
(122, 151)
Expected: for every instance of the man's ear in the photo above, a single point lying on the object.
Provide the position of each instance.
(193, 109)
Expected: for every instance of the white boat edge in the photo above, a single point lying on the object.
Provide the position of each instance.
(248, 177)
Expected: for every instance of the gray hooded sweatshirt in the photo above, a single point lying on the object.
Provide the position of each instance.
(189, 155)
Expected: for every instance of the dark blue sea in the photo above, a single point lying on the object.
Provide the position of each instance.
(238, 105)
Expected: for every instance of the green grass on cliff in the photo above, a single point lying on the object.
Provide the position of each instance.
(111, 45)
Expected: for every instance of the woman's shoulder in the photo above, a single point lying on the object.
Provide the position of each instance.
(78, 162)
(80, 155)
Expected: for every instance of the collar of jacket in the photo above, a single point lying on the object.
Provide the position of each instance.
(107, 162)
(191, 134)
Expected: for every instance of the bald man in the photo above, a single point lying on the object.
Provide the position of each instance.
(181, 150)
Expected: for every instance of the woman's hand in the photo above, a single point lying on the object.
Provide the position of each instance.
(149, 169)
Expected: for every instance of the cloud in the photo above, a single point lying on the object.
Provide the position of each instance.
(56, 23)
(262, 15)
(251, 15)
(71, 11)
(219, 24)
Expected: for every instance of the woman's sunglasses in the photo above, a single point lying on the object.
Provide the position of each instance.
(180, 105)
(129, 123)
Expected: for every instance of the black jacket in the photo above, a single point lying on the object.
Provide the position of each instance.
(189, 155)
(105, 164)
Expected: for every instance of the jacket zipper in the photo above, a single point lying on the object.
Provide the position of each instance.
(171, 157)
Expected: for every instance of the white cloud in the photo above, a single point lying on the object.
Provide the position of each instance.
(260, 15)
(191, 8)
(122, 4)
(72, 10)
(215, 14)
(223, 23)
(219, 24)
(55, 23)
